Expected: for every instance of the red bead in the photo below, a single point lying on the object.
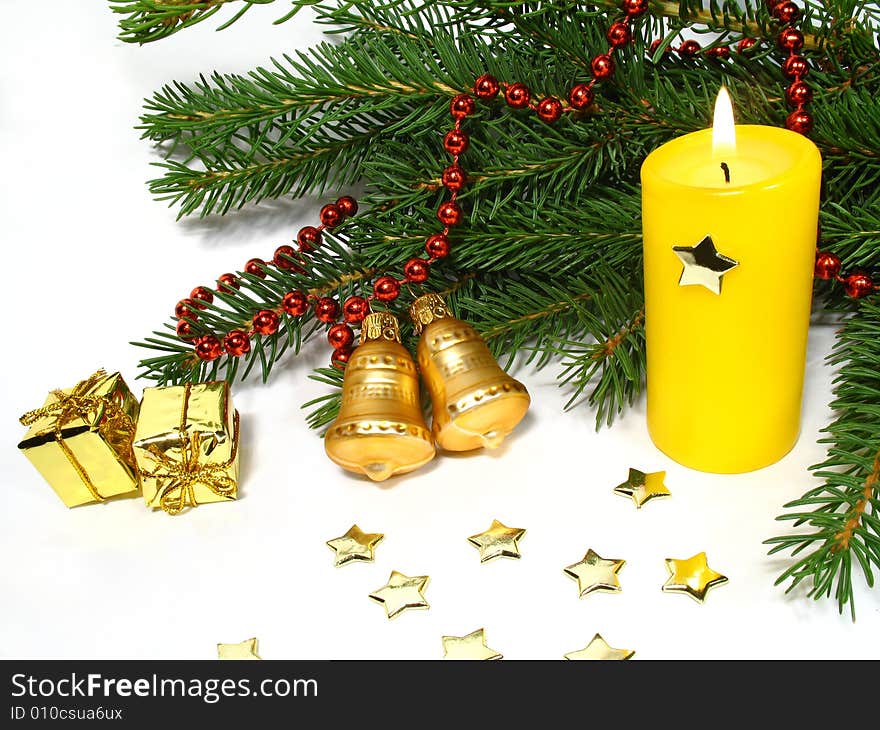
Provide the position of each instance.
(256, 267)
(786, 12)
(461, 105)
(858, 285)
(689, 49)
(200, 296)
(208, 348)
(618, 34)
(718, 52)
(581, 96)
(266, 322)
(327, 309)
(517, 95)
(486, 86)
(795, 67)
(745, 44)
(798, 93)
(800, 121)
(355, 309)
(386, 288)
(454, 178)
(227, 282)
(237, 343)
(330, 215)
(340, 336)
(827, 265)
(437, 246)
(186, 309)
(602, 65)
(308, 238)
(416, 270)
(455, 142)
(634, 8)
(347, 205)
(184, 329)
(449, 213)
(549, 109)
(295, 303)
(340, 357)
(283, 256)
(791, 39)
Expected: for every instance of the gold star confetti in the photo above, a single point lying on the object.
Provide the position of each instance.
(247, 649)
(642, 487)
(692, 576)
(401, 592)
(499, 541)
(598, 649)
(703, 265)
(595, 573)
(354, 546)
(472, 646)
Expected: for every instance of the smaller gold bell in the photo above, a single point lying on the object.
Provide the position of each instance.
(475, 403)
(380, 430)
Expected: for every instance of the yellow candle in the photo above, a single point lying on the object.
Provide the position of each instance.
(728, 284)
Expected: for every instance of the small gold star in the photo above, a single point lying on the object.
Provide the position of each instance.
(472, 646)
(354, 545)
(499, 541)
(247, 649)
(703, 265)
(595, 573)
(598, 649)
(692, 576)
(642, 487)
(401, 592)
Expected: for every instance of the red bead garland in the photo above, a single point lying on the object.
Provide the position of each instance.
(857, 284)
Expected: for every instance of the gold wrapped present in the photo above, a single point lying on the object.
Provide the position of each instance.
(80, 440)
(186, 446)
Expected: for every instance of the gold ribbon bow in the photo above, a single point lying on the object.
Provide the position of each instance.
(186, 473)
(79, 404)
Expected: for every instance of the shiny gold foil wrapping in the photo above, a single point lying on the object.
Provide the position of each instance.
(80, 440)
(475, 404)
(186, 446)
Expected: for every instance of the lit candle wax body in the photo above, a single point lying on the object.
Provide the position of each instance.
(726, 370)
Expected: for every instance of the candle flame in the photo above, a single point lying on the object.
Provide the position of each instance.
(723, 129)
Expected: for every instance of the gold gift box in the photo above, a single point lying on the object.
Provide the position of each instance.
(80, 440)
(186, 446)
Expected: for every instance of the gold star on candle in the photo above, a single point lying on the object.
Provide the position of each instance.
(703, 265)
(598, 649)
(642, 487)
(246, 649)
(595, 573)
(401, 592)
(499, 541)
(692, 576)
(354, 545)
(472, 646)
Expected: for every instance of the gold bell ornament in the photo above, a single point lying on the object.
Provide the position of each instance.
(475, 403)
(380, 430)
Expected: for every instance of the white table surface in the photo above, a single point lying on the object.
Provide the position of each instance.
(81, 236)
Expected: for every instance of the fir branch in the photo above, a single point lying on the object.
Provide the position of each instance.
(844, 513)
(152, 20)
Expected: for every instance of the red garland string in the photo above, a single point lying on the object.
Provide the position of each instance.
(517, 95)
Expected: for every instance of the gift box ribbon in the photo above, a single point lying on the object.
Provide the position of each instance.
(188, 471)
(79, 403)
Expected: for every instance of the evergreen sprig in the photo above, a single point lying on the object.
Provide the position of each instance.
(547, 265)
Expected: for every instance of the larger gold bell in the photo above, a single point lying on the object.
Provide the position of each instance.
(380, 430)
(476, 404)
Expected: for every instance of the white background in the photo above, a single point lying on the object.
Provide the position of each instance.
(92, 263)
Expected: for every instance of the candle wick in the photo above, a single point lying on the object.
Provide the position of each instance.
(726, 172)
